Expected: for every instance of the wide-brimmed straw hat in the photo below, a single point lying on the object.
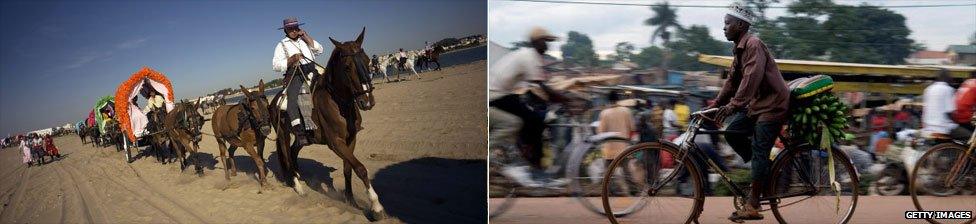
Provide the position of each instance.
(543, 34)
(290, 22)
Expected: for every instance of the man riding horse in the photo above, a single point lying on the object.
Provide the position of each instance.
(287, 54)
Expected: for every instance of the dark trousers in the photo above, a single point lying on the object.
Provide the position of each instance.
(962, 133)
(532, 126)
(757, 148)
(295, 84)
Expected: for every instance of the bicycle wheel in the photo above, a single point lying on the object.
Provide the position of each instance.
(650, 173)
(801, 183)
(934, 175)
(501, 190)
(585, 171)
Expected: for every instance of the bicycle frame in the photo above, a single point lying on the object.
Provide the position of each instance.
(689, 148)
(961, 162)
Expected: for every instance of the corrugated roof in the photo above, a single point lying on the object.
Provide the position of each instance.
(965, 49)
(929, 54)
(843, 68)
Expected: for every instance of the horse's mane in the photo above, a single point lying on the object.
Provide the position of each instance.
(331, 76)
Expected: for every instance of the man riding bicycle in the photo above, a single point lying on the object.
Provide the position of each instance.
(510, 119)
(754, 100)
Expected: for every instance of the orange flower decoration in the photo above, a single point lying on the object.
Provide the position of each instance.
(122, 96)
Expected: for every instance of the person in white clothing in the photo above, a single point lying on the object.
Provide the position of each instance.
(670, 121)
(510, 119)
(295, 55)
(940, 104)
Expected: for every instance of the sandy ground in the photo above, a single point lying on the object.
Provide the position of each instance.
(423, 145)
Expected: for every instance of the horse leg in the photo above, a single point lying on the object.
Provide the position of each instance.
(415, 72)
(259, 163)
(176, 146)
(233, 163)
(223, 157)
(347, 173)
(345, 152)
(293, 161)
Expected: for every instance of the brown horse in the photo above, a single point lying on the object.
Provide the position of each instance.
(434, 57)
(243, 125)
(336, 94)
(183, 130)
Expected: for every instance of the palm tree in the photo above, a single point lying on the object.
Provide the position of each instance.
(664, 17)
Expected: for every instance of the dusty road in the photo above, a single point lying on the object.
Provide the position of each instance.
(870, 209)
(423, 145)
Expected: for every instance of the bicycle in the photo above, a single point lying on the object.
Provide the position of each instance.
(799, 174)
(946, 169)
(581, 162)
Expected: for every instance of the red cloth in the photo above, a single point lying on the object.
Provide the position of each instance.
(91, 119)
(902, 116)
(965, 101)
(49, 146)
(879, 121)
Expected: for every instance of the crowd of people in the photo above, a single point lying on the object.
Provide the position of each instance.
(35, 147)
(753, 104)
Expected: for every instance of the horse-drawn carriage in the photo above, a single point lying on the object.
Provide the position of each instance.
(138, 127)
(108, 130)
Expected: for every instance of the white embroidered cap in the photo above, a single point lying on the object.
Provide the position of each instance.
(742, 12)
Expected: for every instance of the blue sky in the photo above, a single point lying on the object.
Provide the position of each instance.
(58, 57)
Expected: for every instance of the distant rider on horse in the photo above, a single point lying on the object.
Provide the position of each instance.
(290, 53)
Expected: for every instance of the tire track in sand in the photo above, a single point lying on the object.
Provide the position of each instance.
(142, 198)
(17, 196)
(162, 203)
(85, 202)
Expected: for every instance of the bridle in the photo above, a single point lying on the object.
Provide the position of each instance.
(249, 117)
(366, 88)
(190, 124)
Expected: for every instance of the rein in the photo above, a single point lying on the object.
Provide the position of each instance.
(360, 69)
(249, 116)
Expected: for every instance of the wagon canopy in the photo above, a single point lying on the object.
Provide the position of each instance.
(106, 102)
(90, 121)
(131, 118)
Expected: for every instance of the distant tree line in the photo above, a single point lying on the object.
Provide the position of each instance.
(811, 30)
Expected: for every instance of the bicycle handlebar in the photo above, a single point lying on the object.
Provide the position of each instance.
(703, 112)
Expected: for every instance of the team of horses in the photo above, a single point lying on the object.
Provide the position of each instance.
(338, 95)
(422, 60)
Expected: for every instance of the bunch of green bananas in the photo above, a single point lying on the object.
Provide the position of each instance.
(812, 114)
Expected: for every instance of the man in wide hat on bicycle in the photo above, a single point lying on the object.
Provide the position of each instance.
(292, 54)
(755, 100)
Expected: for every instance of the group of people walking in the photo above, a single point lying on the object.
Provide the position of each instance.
(35, 147)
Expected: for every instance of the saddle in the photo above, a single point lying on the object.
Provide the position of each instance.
(304, 102)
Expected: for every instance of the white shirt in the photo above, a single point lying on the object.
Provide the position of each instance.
(153, 102)
(403, 54)
(288, 47)
(514, 68)
(939, 99)
(670, 118)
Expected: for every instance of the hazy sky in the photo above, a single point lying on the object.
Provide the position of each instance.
(58, 58)
(608, 25)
